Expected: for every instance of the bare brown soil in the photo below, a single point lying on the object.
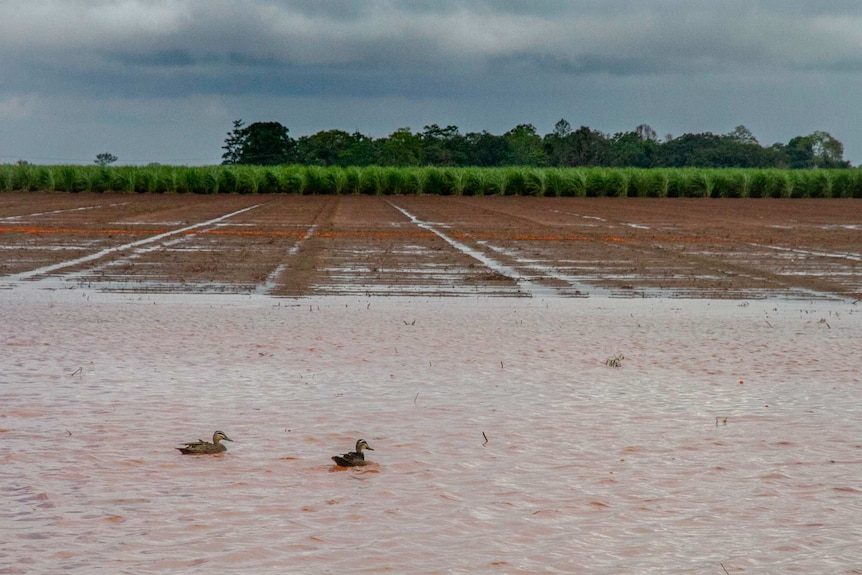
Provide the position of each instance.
(429, 245)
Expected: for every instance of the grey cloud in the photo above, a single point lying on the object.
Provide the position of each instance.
(585, 64)
(414, 40)
(454, 58)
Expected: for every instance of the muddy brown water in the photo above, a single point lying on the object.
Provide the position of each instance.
(727, 438)
(730, 434)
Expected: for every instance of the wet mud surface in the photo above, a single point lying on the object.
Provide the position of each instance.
(429, 245)
(641, 386)
(728, 435)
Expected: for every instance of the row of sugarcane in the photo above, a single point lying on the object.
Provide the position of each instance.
(377, 180)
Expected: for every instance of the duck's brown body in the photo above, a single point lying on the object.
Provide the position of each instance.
(353, 458)
(201, 447)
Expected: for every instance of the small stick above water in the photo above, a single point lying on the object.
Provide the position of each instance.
(486, 439)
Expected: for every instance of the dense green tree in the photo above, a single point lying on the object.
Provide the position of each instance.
(361, 151)
(800, 152)
(327, 148)
(816, 150)
(636, 149)
(582, 147)
(266, 144)
(525, 146)
(742, 135)
(777, 154)
(335, 148)
(442, 146)
(828, 152)
(261, 143)
(401, 148)
(270, 143)
(556, 144)
(486, 150)
(689, 150)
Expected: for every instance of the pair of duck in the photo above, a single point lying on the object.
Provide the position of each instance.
(201, 447)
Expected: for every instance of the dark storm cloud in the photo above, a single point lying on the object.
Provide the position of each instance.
(457, 57)
(220, 46)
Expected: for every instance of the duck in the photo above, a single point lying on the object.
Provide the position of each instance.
(201, 447)
(354, 458)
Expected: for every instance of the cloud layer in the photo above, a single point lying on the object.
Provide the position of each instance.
(129, 68)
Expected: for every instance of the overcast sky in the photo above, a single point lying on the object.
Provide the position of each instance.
(162, 81)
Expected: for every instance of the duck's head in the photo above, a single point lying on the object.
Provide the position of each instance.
(362, 444)
(219, 436)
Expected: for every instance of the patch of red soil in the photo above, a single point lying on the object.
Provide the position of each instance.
(431, 245)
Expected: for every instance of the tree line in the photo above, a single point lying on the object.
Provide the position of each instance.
(270, 143)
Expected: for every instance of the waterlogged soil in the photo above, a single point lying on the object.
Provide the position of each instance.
(429, 245)
(727, 437)
(623, 386)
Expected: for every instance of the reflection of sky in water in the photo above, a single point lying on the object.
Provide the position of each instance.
(587, 468)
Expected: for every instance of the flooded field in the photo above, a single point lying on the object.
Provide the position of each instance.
(528, 426)
(433, 245)
(730, 434)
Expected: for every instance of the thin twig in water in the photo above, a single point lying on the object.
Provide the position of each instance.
(725, 569)
(77, 371)
(415, 398)
(486, 439)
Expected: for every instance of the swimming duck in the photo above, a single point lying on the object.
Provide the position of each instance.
(201, 447)
(354, 458)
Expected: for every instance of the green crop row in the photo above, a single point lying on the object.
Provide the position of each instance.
(376, 180)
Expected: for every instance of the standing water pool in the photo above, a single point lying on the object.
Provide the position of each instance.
(727, 435)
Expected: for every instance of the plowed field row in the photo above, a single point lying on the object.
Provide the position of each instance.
(288, 245)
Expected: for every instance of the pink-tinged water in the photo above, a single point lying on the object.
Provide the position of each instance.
(730, 437)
